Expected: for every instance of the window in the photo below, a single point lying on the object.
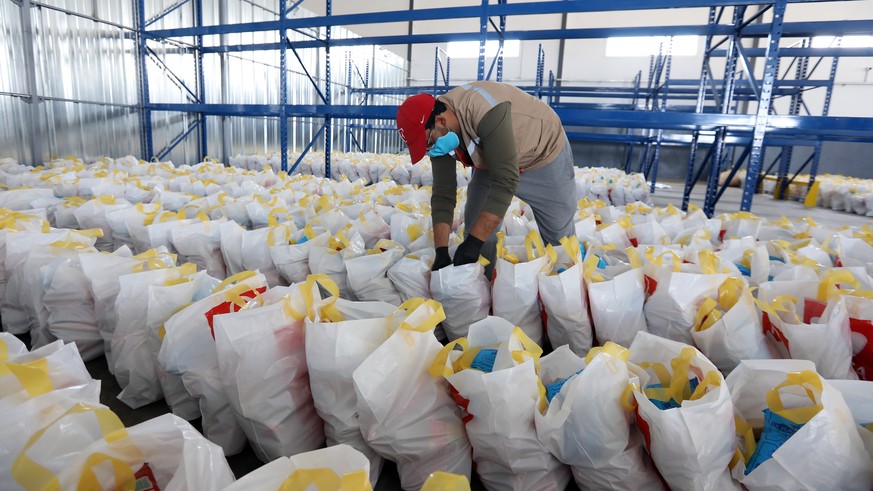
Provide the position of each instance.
(649, 45)
(470, 49)
(845, 42)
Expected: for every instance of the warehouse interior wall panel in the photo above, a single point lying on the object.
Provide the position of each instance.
(14, 111)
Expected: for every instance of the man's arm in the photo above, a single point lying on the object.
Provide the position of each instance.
(443, 198)
(498, 146)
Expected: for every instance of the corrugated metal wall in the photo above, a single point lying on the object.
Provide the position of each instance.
(79, 59)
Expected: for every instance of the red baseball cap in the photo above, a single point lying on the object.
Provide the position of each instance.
(411, 118)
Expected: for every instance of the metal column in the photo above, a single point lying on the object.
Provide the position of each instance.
(328, 134)
(36, 137)
(283, 87)
(760, 129)
(201, 80)
(730, 79)
(483, 39)
(146, 114)
(225, 81)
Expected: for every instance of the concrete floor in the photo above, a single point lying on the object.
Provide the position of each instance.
(246, 461)
(763, 205)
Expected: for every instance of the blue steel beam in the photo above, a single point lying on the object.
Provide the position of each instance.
(179, 139)
(283, 87)
(446, 13)
(829, 128)
(794, 29)
(201, 80)
(328, 127)
(795, 52)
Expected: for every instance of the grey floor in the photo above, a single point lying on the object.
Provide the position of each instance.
(246, 461)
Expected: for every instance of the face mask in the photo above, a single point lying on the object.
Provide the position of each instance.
(444, 145)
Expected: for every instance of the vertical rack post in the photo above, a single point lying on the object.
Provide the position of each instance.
(483, 40)
(701, 99)
(436, 69)
(730, 78)
(756, 155)
(283, 86)
(499, 76)
(30, 67)
(793, 110)
(541, 62)
(146, 114)
(225, 80)
(328, 133)
(201, 80)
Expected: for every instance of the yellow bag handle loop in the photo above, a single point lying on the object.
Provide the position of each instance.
(628, 401)
(572, 247)
(325, 479)
(707, 315)
(414, 231)
(744, 430)
(33, 476)
(827, 287)
(32, 375)
(428, 323)
(589, 266)
(124, 475)
(533, 245)
(729, 293)
(610, 348)
(443, 481)
(530, 349)
(633, 256)
(438, 368)
(70, 245)
(271, 234)
(708, 262)
(812, 385)
(241, 276)
(328, 284)
(271, 218)
(234, 295)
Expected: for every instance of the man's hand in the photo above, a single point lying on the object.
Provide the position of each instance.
(442, 259)
(468, 251)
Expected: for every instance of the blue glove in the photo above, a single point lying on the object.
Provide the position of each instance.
(444, 145)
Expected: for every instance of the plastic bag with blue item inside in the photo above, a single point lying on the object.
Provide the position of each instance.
(809, 438)
(606, 455)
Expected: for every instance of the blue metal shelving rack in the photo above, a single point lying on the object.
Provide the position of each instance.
(712, 121)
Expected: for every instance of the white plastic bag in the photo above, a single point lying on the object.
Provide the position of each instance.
(200, 243)
(337, 342)
(826, 452)
(267, 344)
(807, 320)
(465, 294)
(188, 349)
(495, 377)
(562, 291)
(617, 296)
(368, 280)
(419, 427)
(163, 302)
(515, 290)
(691, 440)
(165, 453)
(54, 366)
(607, 454)
(339, 464)
(134, 367)
(729, 330)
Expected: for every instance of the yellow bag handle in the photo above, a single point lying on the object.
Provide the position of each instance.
(325, 479)
(124, 475)
(271, 218)
(868, 294)
(610, 348)
(572, 248)
(827, 287)
(271, 231)
(533, 245)
(241, 276)
(589, 266)
(744, 430)
(502, 251)
(530, 349)
(234, 295)
(34, 477)
(414, 231)
(707, 315)
(330, 311)
(812, 385)
(729, 293)
(32, 375)
(69, 244)
(708, 262)
(430, 322)
(438, 368)
(443, 481)
(339, 241)
(90, 232)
